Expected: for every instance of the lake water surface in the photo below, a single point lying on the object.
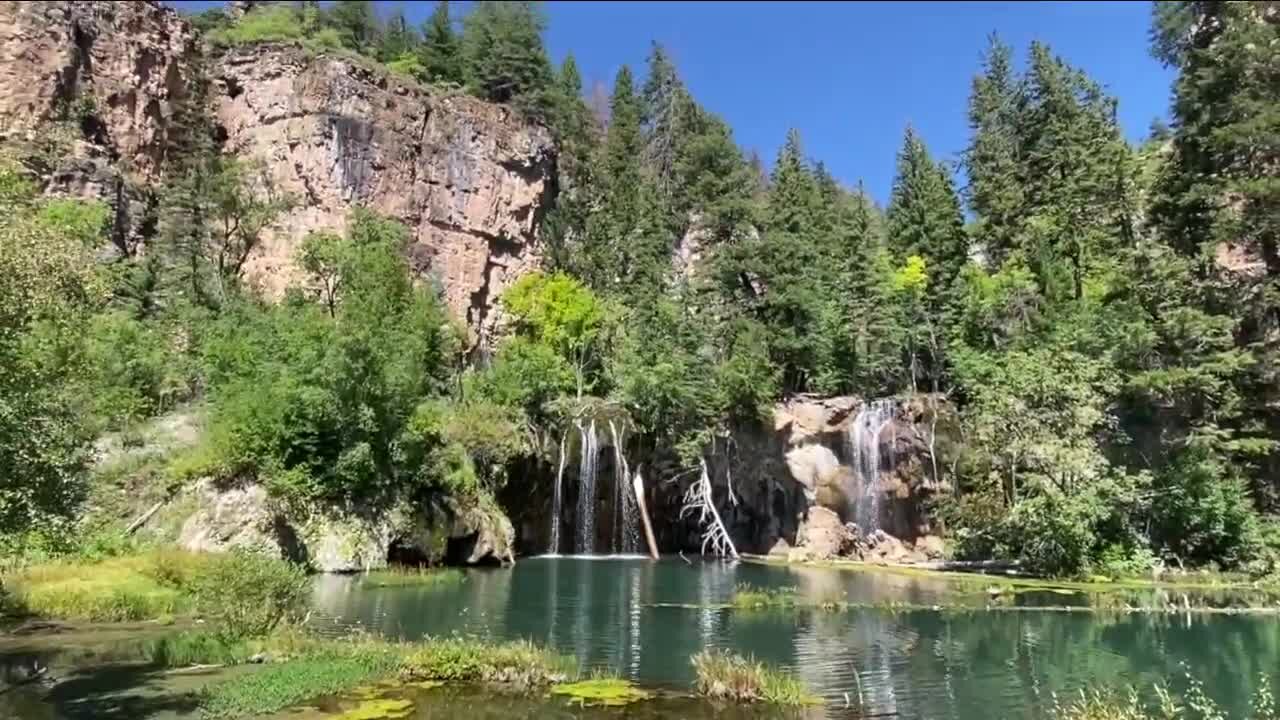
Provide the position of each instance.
(645, 619)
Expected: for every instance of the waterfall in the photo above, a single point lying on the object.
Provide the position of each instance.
(556, 499)
(626, 511)
(864, 450)
(586, 535)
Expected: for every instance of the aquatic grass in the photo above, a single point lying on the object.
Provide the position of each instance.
(520, 663)
(749, 597)
(605, 691)
(1109, 703)
(282, 685)
(322, 666)
(723, 675)
(412, 577)
(189, 648)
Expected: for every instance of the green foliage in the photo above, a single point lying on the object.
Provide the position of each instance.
(355, 22)
(725, 676)
(503, 59)
(282, 685)
(248, 594)
(136, 371)
(195, 648)
(47, 287)
(315, 399)
(113, 590)
(268, 24)
(212, 217)
(1128, 704)
(439, 53)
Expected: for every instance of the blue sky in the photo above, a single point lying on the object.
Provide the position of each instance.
(850, 76)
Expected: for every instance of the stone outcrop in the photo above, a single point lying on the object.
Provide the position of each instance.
(470, 179)
(224, 517)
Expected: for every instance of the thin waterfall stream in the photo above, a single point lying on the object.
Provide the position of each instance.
(586, 521)
(864, 450)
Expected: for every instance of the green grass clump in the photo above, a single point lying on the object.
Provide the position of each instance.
(520, 664)
(748, 597)
(242, 594)
(279, 686)
(418, 577)
(605, 691)
(727, 676)
(195, 648)
(117, 589)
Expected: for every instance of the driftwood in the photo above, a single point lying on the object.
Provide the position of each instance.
(142, 520)
(699, 498)
(638, 487)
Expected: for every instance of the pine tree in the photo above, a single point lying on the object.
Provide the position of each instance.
(397, 39)
(1219, 194)
(503, 58)
(439, 51)
(995, 189)
(788, 264)
(925, 218)
(574, 126)
(356, 23)
(665, 105)
(628, 247)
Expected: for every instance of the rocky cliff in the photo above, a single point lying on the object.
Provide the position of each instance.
(469, 179)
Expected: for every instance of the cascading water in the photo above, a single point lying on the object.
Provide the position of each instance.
(626, 511)
(864, 450)
(586, 527)
(556, 498)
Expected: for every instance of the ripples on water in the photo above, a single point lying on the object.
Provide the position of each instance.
(915, 664)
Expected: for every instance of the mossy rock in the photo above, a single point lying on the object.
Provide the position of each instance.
(610, 692)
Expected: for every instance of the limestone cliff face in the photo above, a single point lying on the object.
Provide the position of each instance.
(468, 178)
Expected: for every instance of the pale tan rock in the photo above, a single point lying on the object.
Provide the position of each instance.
(931, 547)
(468, 178)
(127, 62)
(823, 536)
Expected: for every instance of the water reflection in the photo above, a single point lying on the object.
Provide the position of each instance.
(917, 664)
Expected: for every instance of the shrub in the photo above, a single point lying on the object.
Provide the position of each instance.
(248, 594)
(727, 676)
(194, 648)
(269, 24)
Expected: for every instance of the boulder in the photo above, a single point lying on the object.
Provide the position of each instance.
(235, 516)
(823, 536)
(931, 547)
